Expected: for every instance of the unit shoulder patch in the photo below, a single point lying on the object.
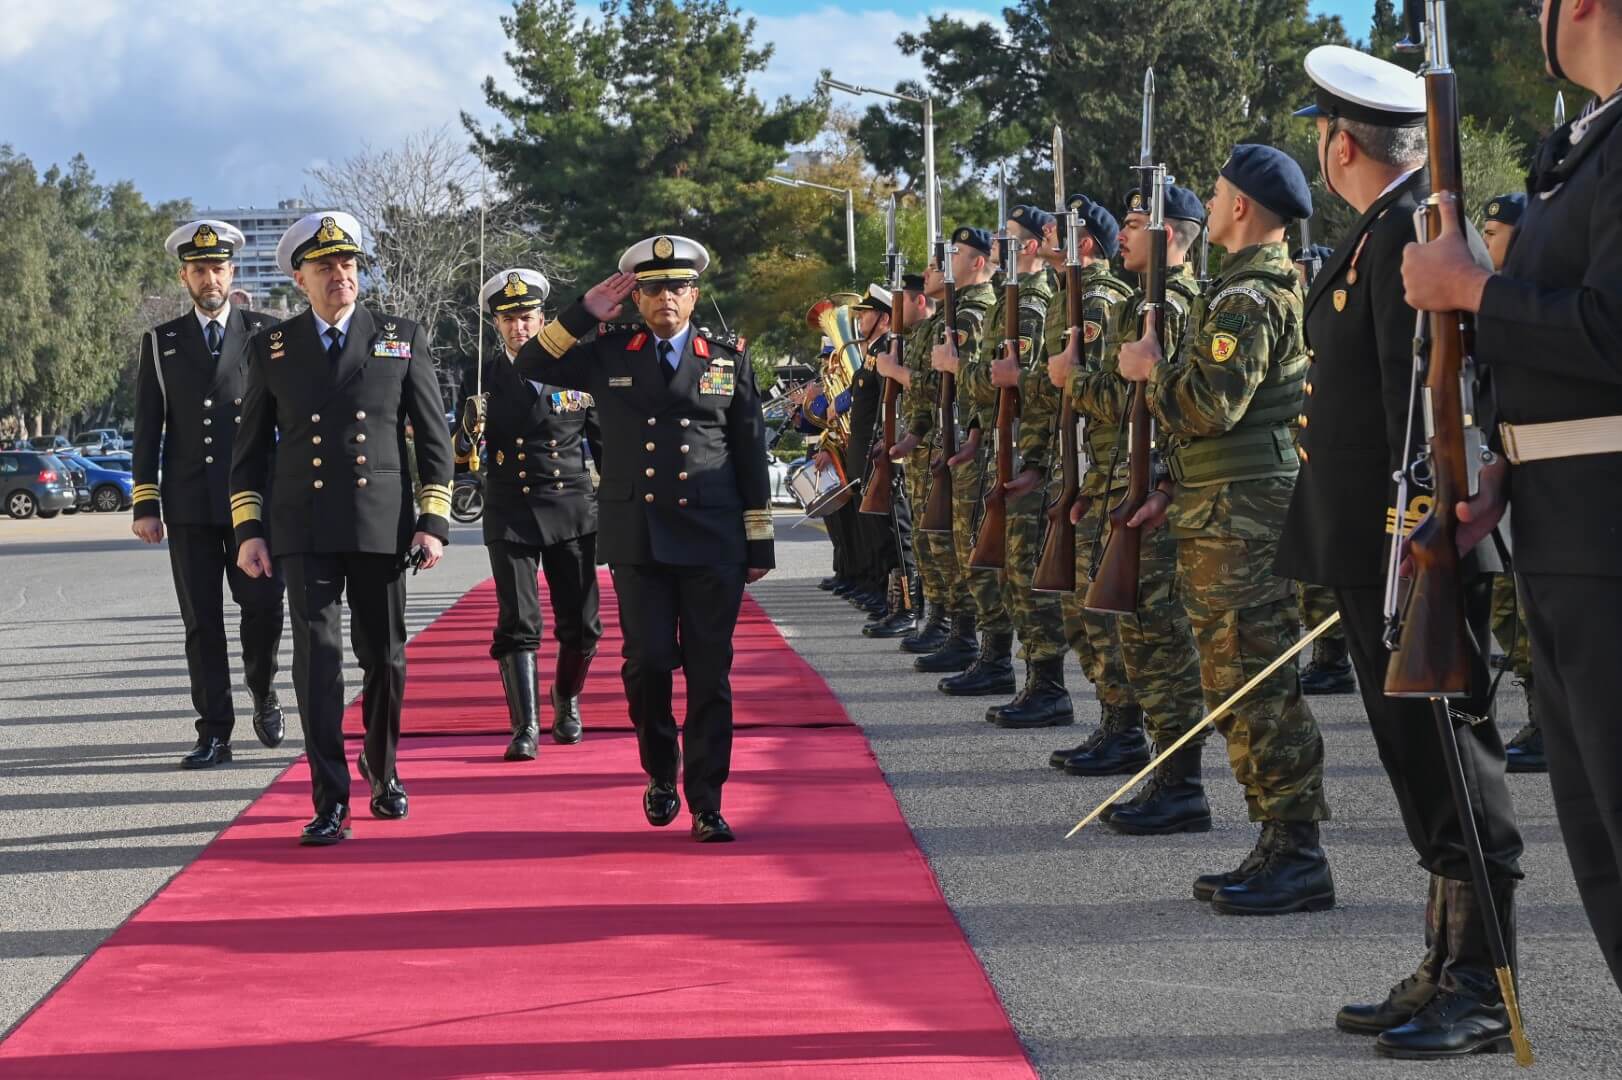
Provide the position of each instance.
(1223, 346)
(1230, 321)
(1244, 291)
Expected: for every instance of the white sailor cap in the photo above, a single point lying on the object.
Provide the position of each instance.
(518, 289)
(877, 299)
(665, 258)
(207, 240)
(1353, 85)
(315, 236)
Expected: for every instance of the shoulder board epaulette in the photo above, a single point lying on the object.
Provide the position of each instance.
(725, 340)
(1239, 290)
(609, 328)
(390, 326)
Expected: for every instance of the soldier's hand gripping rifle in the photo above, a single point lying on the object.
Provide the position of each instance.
(991, 545)
(1056, 565)
(938, 510)
(1115, 584)
(1433, 646)
(879, 495)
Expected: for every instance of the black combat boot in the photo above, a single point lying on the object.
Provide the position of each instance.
(1046, 702)
(1467, 1013)
(1122, 750)
(993, 711)
(1524, 753)
(518, 680)
(1330, 671)
(931, 633)
(1412, 994)
(1206, 885)
(566, 687)
(1294, 876)
(992, 671)
(1173, 801)
(956, 653)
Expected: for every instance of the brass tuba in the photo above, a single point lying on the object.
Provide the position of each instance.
(834, 319)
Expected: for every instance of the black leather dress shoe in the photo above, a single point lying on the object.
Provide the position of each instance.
(1401, 1005)
(1452, 1025)
(566, 726)
(660, 803)
(268, 722)
(827, 584)
(389, 800)
(208, 752)
(326, 828)
(709, 827)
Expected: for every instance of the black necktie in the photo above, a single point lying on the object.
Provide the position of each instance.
(214, 336)
(666, 368)
(335, 349)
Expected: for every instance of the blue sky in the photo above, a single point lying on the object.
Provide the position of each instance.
(217, 102)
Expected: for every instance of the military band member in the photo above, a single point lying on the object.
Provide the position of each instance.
(888, 537)
(986, 668)
(683, 504)
(540, 516)
(1225, 411)
(329, 395)
(188, 398)
(817, 414)
(1370, 118)
(1156, 644)
(1547, 325)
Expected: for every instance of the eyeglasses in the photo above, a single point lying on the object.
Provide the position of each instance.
(654, 288)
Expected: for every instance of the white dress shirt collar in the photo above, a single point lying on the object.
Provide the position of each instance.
(678, 342)
(322, 326)
(221, 316)
(1398, 182)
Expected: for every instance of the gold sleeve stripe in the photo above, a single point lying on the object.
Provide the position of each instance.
(555, 339)
(757, 524)
(144, 492)
(434, 499)
(242, 497)
(246, 506)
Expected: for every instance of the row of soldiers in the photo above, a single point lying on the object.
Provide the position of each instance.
(1273, 501)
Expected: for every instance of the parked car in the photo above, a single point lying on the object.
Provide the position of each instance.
(110, 489)
(779, 473)
(81, 480)
(34, 483)
(120, 462)
(49, 443)
(98, 441)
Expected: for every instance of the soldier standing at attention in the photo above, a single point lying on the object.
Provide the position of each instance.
(683, 502)
(1225, 411)
(888, 536)
(540, 515)
(330, 392)
(1370, 118)
(188, 400)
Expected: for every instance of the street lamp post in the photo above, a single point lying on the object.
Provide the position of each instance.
(850, 210)
(928, 103)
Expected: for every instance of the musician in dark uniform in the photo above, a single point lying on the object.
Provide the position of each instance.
(540, 515)
(1550, 326)
(887, 537)
(1370, 116)
(188, 398)
(683, 505)
(331, 391)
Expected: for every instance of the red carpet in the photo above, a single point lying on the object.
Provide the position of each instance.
(453, 687)
(525, 921)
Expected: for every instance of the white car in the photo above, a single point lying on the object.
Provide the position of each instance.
(780, 472)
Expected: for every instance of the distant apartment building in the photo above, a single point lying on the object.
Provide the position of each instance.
(262, 228)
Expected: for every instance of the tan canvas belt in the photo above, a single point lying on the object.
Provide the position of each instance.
(1565, 438)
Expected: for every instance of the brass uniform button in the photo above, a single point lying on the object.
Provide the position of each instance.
(316, 440)
(208, 440)
(681, 476)
(361, 437)
(208, 403)
(1303, 454)
(361, 482)
(558, 487)
(520, 457)
(522, 474)
(559, 472)
(681, 502)
(360, 414)
(1309, 389)
(652, 421)
(554, 454)
(318, 483)
(645, 472)
(1302, 419)
(518, 441)
(315, 418)
(649, 448)
(648, 497)
(685, 448)
(554, 442)
(236, 419)
(526, 489)
(238, 401)
(361, 460)
(685, 422)
(207, 421)
(208, 460)
(316, 462)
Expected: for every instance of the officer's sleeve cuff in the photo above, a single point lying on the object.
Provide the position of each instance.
(144, 498)
(434, 500)
(558, 336)
(435, 525)
(762, 555)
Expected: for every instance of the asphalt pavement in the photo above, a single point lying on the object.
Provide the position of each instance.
(1105, 964)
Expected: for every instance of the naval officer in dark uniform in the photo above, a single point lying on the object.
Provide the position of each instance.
(188, 400)
(540, 515)
(1370, 116)
(331, 391)
(1549, 324)
(683, 505)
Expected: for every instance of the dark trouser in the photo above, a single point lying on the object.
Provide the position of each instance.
(571, 582)
(1406, 737)
(849, 560)
(879, 537)
(316, 586)
(1575, 624)
(200, 557)
(681, 616)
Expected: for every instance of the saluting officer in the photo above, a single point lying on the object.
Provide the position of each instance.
(683, 502)
(330, 392)
(540, 514)
(1370, 116)
(188, 400)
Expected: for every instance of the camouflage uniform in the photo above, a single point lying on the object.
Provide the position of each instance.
(1156, 644)
(1227, 407)
(974, 304)
(937, 564)
(1508, 627)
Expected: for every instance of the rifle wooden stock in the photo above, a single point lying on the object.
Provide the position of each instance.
(1056, 568)
(879, 495)
(991, 546)
(1115, 586)
(938, 509)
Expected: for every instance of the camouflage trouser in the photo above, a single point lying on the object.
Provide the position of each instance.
(936, 563)
(1508, 626)
(1157, 646)
(1091, 633)
(983, 589)
(1244, 617)
(1318, 604)
(1038, 617)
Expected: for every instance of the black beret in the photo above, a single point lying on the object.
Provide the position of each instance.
(1272, 178)
(979, 239)
(1033, 219)
(1506, 209)
(1098, 221)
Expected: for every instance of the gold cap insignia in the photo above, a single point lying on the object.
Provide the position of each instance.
(204, 237)
(329, 231)
(1340, 299)
(1136, 203)
(1223, 346)
(515, 286)
(663, 248)
(1019, 212)
(1493, 209)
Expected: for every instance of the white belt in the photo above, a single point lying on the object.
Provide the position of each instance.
(1562, 439)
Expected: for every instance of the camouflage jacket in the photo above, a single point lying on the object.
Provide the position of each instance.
(918, 401)
(973, 302)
